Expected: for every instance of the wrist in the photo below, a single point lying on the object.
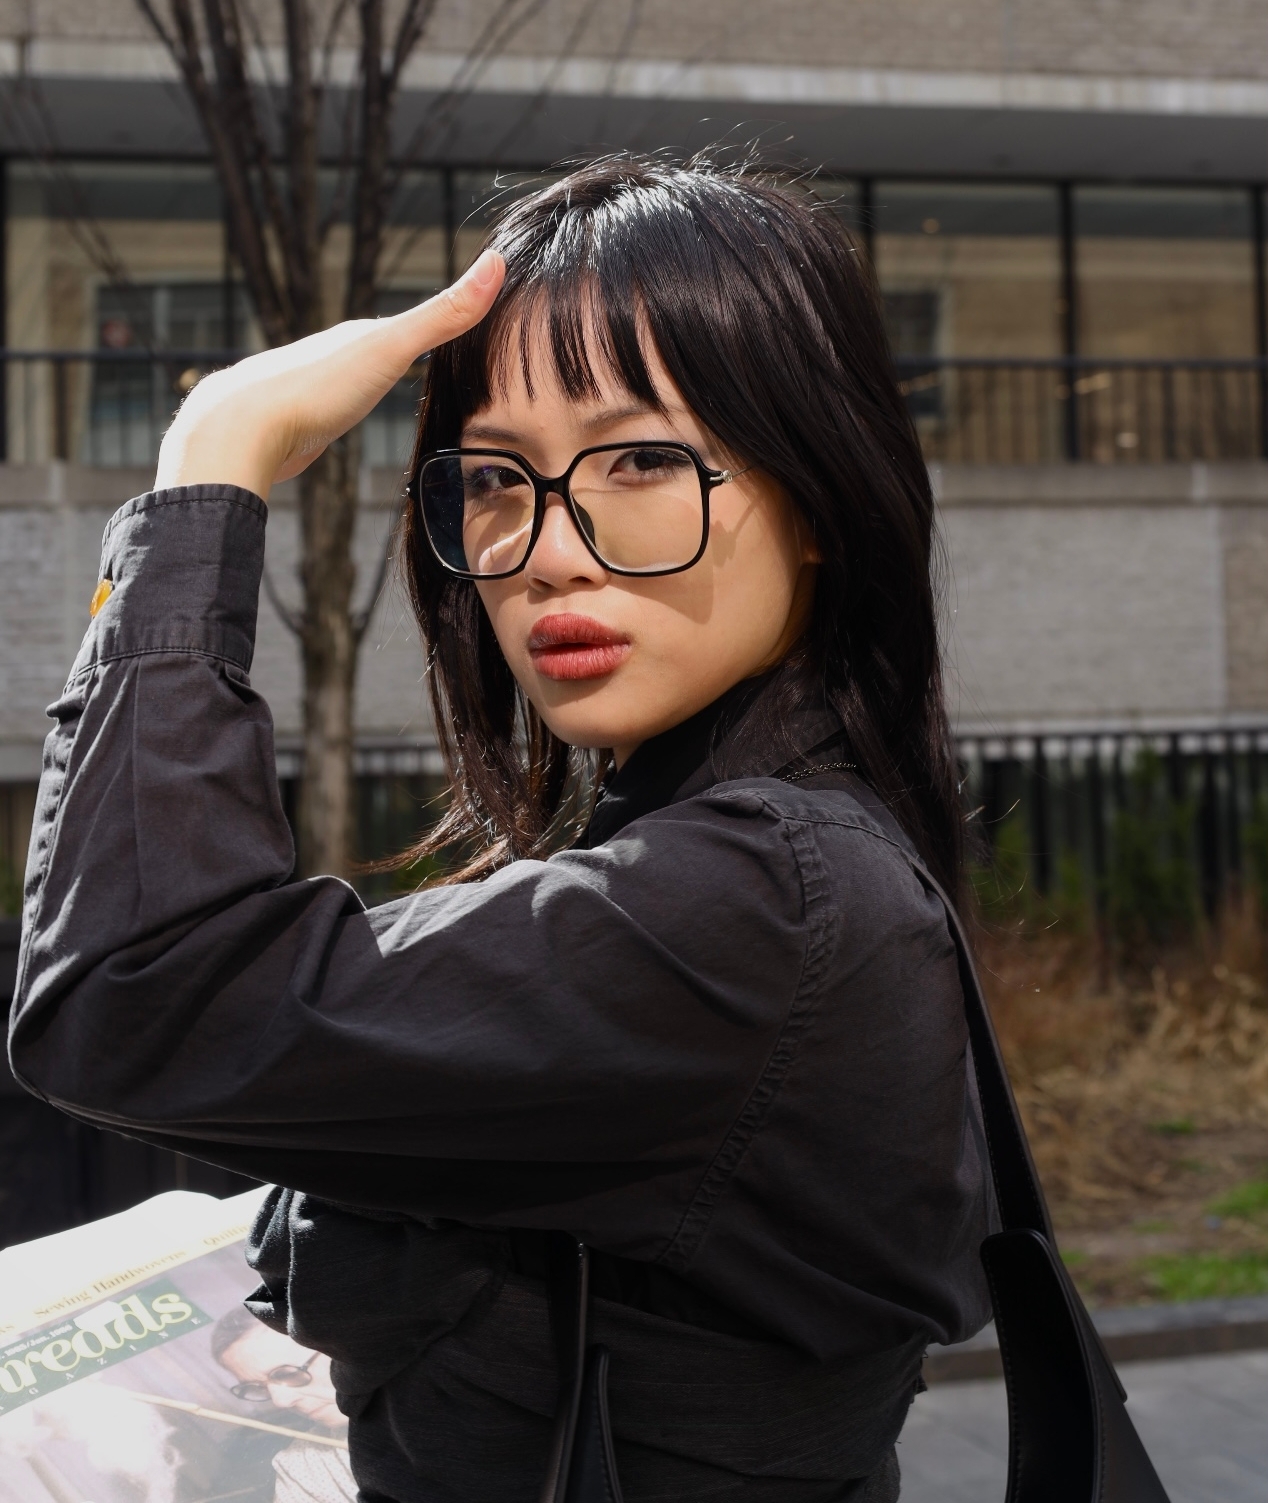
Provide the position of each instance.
(211, 444)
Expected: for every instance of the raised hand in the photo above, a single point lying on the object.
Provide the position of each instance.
(268, 417)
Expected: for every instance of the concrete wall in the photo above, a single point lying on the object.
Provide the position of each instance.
(1134, 88)
(51, 521)
(1098, 596)
(1169, 38)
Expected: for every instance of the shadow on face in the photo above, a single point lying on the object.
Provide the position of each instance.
(610, 660)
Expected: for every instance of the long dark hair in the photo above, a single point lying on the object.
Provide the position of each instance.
(767, 320)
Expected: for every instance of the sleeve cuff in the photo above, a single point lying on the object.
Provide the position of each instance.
(183, 568)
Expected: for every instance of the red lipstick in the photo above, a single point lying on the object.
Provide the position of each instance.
(566, 645)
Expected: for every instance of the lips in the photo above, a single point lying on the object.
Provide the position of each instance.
(568, 646)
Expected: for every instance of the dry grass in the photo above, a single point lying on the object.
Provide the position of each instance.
(1146, 1098)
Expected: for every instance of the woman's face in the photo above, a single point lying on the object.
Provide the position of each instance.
(260, 1353)
(608, 660)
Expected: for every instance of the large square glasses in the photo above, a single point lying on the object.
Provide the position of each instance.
(641, 508)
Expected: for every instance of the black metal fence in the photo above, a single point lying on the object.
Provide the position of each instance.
(1005, 411)
(1117, 822)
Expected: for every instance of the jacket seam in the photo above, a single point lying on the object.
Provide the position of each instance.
(119, 518)
(694, 1222)
(148, 652)
(845, 822)
(40, 890)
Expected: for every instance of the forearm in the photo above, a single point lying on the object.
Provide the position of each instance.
(158, 803)
(550, 1035)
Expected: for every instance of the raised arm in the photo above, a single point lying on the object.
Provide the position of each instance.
(517, 1050)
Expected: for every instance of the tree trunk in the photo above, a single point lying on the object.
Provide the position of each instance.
(328, 512)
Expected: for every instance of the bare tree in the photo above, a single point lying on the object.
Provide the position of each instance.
(264, 111)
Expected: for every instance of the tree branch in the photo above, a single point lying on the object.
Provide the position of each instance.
(239, 121)
(409, 32)
(538, 101)
(361, 619)
(375, 184)
(292, 620)
(232, 169)
(499, 29)
(303, 230)
(368, 208)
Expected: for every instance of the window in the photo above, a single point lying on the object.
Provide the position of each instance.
(988, 254)
(1164, 272)
(133, 399)
(912, 320)
(1165, 280)
(110, 257)
(970, 274)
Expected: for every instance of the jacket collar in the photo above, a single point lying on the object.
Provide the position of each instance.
(720, 743)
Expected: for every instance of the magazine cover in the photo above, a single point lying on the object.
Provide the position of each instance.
(130, 1372)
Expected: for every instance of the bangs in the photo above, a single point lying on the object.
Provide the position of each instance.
(570, 325)
(579, 331)
(586, 287)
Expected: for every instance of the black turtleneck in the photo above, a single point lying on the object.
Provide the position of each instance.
(664, 767)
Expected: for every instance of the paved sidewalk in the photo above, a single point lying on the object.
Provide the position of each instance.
(1204, 1421)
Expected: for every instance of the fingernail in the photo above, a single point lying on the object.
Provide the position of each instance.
(485, 268)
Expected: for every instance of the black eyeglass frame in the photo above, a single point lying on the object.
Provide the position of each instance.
(560, 485)
(299, 1377)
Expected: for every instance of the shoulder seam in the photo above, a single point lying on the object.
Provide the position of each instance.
(864, 825)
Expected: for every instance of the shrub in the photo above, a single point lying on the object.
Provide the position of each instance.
(1151, 896)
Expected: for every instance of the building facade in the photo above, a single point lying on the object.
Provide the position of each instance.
(1065, 209)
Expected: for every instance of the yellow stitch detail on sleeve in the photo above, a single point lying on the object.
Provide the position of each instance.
(99, 596)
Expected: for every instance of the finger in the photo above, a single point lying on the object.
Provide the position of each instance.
(455, 310)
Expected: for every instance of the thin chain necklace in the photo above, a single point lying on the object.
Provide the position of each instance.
(811, 772)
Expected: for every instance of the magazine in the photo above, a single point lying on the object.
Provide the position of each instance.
(131, 1373)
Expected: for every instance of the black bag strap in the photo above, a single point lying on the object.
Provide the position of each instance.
(568, 1293)
(1020, 1199)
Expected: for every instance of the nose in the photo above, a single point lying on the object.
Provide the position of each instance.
(560, 557)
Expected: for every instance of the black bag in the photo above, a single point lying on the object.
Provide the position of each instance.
(1070, 1437)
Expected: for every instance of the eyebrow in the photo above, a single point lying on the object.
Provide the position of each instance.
(606, 418)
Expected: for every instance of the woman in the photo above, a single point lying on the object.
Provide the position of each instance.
(720, 1038)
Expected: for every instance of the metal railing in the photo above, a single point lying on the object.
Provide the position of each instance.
(1022, 411)
(1091, 814)
(112, 407)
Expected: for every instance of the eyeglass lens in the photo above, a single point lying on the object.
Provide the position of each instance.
(287, 1376)
(642, 508)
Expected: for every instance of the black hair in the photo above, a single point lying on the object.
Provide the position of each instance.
(232, 1326)
(766, 317)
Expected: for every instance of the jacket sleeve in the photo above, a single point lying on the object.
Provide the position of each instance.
(514, 1051)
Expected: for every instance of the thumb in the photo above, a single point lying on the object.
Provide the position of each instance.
(456, 309)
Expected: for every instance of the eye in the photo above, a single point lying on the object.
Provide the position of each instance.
(488, 481)
(649, 464)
